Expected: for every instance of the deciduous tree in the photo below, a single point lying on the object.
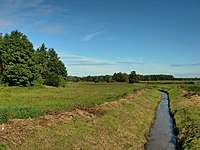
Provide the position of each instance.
(133, 77)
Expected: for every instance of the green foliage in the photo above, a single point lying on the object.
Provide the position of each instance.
(41, 61)
(21, 65)
(187, 116)
(120, 77)
(4, 115)
(39, 81)
(2, 146)
(1, 79)
(19, 112)
(17, 54)
(51, 70)
(54, 79)
(155, 77)
(55, 64)
(133, 77)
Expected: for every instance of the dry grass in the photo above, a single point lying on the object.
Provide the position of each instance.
(186, 111)
(123, 125)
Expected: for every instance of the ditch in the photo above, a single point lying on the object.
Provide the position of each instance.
(161, 134)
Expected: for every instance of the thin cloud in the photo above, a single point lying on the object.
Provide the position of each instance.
(75, 62)
(91, 36)
(71, 57)
(10, 6)
(131, 62)
(185, 65)
(91, 64)
(25, 13)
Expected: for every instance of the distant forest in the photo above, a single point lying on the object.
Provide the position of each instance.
(21, 65)
(130, 78)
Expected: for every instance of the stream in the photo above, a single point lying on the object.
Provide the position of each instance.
(161, 134)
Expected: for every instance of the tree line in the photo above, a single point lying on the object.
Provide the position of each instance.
(133, 77)
(21, 65)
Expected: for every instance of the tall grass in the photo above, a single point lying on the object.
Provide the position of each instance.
(17, 102)
(194, 89)
(123, 127)
(187, 116)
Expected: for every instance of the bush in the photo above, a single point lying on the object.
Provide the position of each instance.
(54, 79)
(4, 115)
(39, 81)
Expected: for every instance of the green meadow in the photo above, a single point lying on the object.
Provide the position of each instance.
(122, 126)
(18, 102)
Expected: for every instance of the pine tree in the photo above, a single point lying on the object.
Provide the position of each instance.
(57, 72)
(18, 57)
(41, 61)
(1, 53)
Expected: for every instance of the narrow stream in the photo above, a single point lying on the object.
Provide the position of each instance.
(161, 135)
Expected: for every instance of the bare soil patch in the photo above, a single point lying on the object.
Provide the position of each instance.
(12, 132)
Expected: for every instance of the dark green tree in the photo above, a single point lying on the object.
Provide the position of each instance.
(1, 53)
(17, 55)
(2, 66)
(41, 61)
(107, 78)
(133, 77)
(56, 68)
(120, 77)
(55, 64)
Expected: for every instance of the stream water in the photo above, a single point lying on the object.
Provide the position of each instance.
(161, 135)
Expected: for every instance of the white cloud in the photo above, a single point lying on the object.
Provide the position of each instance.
(82, 65)
(90, 36)
(13, 7)
(185, 65)
(76, 59)
(30, 15)
(131, 62)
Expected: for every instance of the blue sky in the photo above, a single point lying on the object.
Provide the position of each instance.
(98, 37)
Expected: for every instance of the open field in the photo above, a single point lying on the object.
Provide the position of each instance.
(81, 109)
(94, 116)
(16, 102)
(122, 127)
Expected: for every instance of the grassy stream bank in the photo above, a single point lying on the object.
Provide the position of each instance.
(121, 126)
(186, 113)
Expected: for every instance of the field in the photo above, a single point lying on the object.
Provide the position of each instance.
(94, 116)
(19, 102)
(185, 107)
(84, 109)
